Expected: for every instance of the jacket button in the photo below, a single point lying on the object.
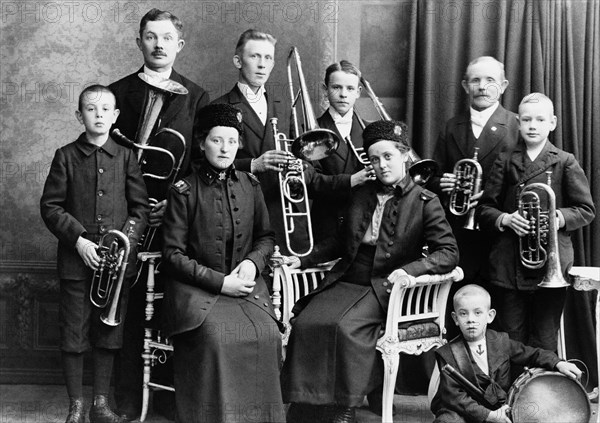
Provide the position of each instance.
(256, 297)
(385, 284)
(237, 221)
(99, 217)
(387, 255)
(266, 304)
(238, 235)
(100, 193)
(389, 291)
(239, 249)
(100, 171)
(236, 209)
(391, 243)
(102, 229)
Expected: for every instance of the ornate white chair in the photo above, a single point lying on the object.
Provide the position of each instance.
(157, 348)
(415, 324)
(588, 279)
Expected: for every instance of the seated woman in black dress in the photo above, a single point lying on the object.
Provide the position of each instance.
(331, 354)
(216, 242)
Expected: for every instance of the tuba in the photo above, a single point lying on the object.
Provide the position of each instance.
(313, 144)
(161, 153)
(468, 183)
(420, 170)
(108, 279)
(539, 246)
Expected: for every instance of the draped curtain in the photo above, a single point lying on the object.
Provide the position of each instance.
(551, 47)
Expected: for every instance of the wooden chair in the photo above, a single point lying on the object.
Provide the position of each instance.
(157, 348)
(415, 324)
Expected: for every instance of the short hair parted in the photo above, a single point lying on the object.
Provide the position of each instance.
(485, 59)
(538, 98)
(161, 15)
(472, 290)
(96, 88)
(341, 66)
(252, 34)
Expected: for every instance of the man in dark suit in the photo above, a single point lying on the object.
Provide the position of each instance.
(160, 40)
(488, 127)
(254, 58)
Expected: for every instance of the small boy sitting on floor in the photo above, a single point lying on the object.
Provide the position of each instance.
(484, 357)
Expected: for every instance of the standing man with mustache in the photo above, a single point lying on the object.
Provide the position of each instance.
(254, 58)
(160, 40)
(488, 127)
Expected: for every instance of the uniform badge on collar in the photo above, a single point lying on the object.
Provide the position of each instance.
(181, 186)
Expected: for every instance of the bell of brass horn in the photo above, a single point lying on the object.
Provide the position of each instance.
(313, 143)
(419, 169)
(539, 247)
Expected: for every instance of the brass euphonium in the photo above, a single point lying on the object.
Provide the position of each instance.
(468, 174)
(160, 153)
(421, 170)
(107, 282)
(539, 246)
(313, 144)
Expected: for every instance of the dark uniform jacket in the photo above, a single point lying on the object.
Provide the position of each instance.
(413, 217)
(89, 191)
(457, 142)
(181, 114)
(329, 183)
(573, 198)
(502, 351)
(194, 248)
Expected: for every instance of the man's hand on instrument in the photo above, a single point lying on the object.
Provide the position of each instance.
(246, 270)
(516, 222)
(236, 287)
(87, 252)
(274, 160)
(500, 415)
(362, 176)
(447, 182)
(474, 200)
(157, 212)
(569, 369)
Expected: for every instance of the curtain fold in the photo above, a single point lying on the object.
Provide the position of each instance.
(547, 46)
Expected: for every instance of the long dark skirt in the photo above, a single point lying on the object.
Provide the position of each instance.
(331, 354)
(227, 370)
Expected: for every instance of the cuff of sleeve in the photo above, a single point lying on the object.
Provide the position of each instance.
(561, 218)
(499, 222)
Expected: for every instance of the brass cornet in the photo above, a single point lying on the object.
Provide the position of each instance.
(468, 174)
(107, 282)
(419, 169)
(539, 246)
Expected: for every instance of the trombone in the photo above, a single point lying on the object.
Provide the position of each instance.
(313, 144)
(419, 169)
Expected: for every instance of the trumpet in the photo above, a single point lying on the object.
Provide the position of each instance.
(420, 170)
(539, 247)
(108, 279)
(468, 174)
(161, 153)
(313, 144)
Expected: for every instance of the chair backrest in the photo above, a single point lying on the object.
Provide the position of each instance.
(289, 285)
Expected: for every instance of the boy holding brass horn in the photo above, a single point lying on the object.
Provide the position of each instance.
(94, 186)
(528, 312)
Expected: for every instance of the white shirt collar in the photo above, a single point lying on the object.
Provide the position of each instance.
(481, 117)
(163, 75)
(339, 119)
(249, 94)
